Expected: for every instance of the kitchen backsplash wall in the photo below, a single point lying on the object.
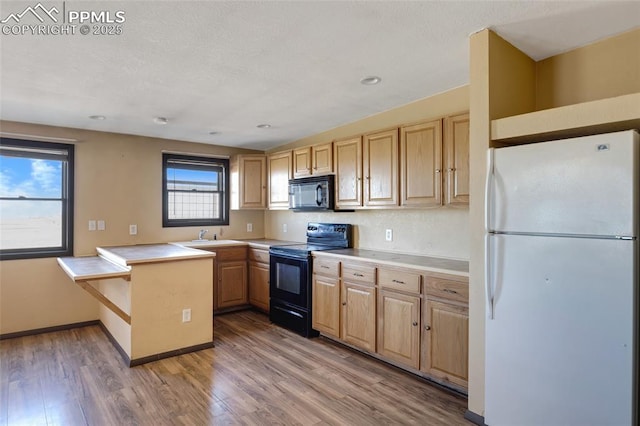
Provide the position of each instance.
(441, 232)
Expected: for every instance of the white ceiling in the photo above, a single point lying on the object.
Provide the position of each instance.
(229, 66)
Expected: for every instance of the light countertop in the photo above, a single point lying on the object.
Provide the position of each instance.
(425, 263)
(262, 243)
(92, 268)
(149, 253)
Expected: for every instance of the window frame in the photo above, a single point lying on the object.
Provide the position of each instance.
(67, 198)
(201, 161)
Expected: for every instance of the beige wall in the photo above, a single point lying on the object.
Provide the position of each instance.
(604, 69)
(441, 232)
(501, 84)
(118, 180)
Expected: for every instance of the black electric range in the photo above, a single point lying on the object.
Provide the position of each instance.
(291, 272)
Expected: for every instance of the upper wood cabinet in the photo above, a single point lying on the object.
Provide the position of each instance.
(380, 169)
(249, 182)
(456, 160)
(347, 155)
(434, 163)
(279, 171)
(367, 170)
(302, 162)
(421, 164)
(313, 160)
(322, 158)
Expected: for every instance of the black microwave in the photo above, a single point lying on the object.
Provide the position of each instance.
(312, 193)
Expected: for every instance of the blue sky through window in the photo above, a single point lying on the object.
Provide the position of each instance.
(30, 178)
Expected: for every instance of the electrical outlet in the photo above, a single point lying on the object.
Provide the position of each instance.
(284, 227)
(92, 225)
(388, 235)
(133, 229)
(186, 315)
(249, 227)
(101, 225)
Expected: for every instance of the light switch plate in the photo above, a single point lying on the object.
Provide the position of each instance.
(101, 225)
(92, 225)
(249, 227)
(388, 235)
(133, 229)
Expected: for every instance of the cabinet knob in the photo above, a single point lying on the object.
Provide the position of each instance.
(437, 170)
(426, 327)
(451, 169)
(344, 303)
(415, 323)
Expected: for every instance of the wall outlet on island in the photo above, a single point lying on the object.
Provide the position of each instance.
(249, 227)
(388, 235)
(186, 315)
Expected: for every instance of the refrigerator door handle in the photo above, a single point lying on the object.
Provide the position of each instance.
(488, 190)
(487, 274)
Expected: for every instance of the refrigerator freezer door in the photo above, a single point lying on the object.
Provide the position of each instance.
(586, 185)
(560, 349)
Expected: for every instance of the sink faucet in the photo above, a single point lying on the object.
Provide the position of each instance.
(201, 233)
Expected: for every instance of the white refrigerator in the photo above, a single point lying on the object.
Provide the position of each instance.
(562, 282)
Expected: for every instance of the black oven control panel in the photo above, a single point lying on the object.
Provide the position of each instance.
(335, 234)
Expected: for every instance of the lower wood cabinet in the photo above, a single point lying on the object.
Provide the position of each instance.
(359, 315)
(259, 285)
(325, 313)
(229, 277)
(232, 284)
(399, 327)
(259, 278)
(416, 320)
(445, 333)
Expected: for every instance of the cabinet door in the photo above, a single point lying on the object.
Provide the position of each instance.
(259, 285)
(279, 175)
(253, 182)
(325, 311)
(399, 327)
(421, 164)
(348, 161)
(445, 342)
(232, 284)
(302, 162)
(380, 170)
(456, 158)
(359, 316)
(322, 158)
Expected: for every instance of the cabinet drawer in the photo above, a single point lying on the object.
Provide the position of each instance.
(326, 267)
(400, 280)
(359, 272)
(447, 289)
(261, 256)
(231, 253)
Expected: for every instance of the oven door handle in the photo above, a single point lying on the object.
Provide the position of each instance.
(288, 311)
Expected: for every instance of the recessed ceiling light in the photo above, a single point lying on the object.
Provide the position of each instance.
(263, 126)
(97, 117)
(213, 132)
(371, 80)
(160, 120)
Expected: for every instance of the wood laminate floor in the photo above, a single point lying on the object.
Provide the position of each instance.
(257, 374)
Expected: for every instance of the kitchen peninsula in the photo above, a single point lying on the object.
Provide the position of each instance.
(156, 300)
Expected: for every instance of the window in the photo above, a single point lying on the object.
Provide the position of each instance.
(36, 199)
(195, 191)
